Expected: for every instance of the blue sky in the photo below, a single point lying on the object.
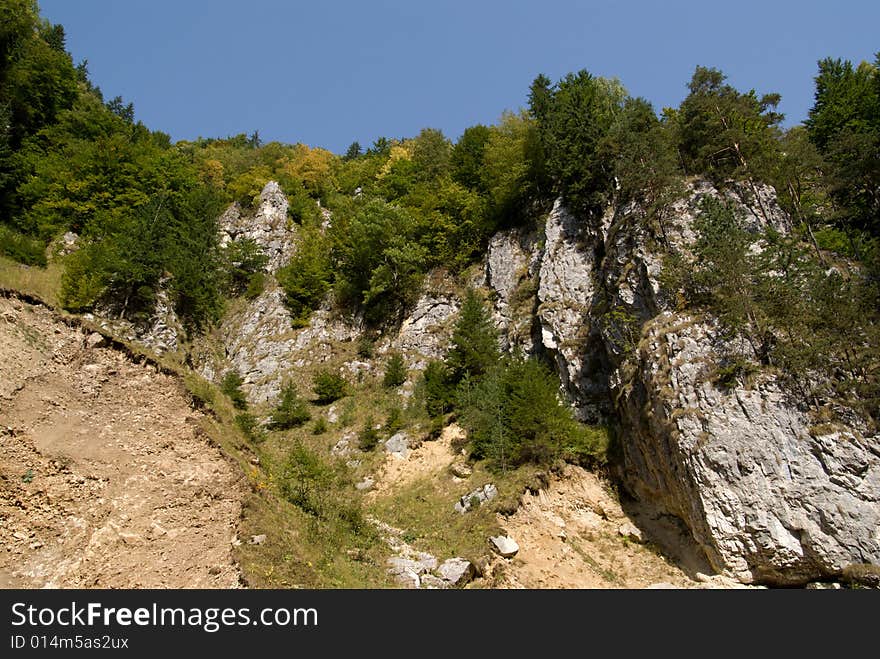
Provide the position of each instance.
(328, 72)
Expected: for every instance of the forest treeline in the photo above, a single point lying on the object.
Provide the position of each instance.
(145, 208)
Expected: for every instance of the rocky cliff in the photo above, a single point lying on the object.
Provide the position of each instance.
(766, 500)
(257, 339)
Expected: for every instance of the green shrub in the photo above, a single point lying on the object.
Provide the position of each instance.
(307, 481)
(328, 386)
(439, 392)
(368, 437)
(307, 278)
(256, 285)
(231, 386)
(323, 490)
(347, 413)
(291, 410)
(394, 422)
(250, 427)
(320, 426)
(22, 248)
(395, 371)
(244, 260)
(436, 426)
(734, 372)
(514, 416)
(474, 350)
(365, 348)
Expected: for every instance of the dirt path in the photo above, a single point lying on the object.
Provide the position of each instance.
(106, 479)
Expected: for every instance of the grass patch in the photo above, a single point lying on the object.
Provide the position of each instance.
(22, 248)
(424, 511)
(42, 283)
(301, 549)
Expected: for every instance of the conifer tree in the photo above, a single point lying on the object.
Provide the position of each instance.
(474, 347)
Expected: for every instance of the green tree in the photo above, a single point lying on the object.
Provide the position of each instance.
(395, 371)
(512, 167)
(379, 267)
(307, 481)
(431, 151)
(844, 124)
(474, 345)
(243, 259)
(368, 437)
(573, 116)
(37, 82)
(439, 391)
(353, 151)
(328, 386)
(642, 152)
(724, 276)
(291, 410)
(513, 415)
(308, 277)
(231, 386)
(798, 180)
(724, 133)
(466, 160)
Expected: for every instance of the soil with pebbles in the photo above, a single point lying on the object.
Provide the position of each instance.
(106, 477)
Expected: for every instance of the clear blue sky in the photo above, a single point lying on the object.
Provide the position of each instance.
(328, 72)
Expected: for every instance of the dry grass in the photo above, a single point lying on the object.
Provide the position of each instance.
(42, 283)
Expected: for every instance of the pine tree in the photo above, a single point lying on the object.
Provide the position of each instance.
(395, 371)
(474, 347)
(291, 410)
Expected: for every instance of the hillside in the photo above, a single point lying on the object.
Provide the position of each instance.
(108, 480)
(590, 345)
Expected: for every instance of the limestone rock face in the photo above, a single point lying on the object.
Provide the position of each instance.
(767, 501)
(257, 338)
(160, 332)
(511, 273)
(268, 226)
(568, 291)
(262, 346)
(425, 333)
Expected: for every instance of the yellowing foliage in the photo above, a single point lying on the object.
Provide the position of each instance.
(398, 152)
(310, 165)
(212, 173)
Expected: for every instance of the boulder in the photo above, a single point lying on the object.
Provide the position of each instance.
(365, 484)
(629, 531)
(431, 582)
(398, 445)
(456, 571)
(96, 340)
(461, 469)
(476, 498)
(504, 545)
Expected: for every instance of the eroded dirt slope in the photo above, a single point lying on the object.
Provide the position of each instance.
(574, 533)
(106, 479)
